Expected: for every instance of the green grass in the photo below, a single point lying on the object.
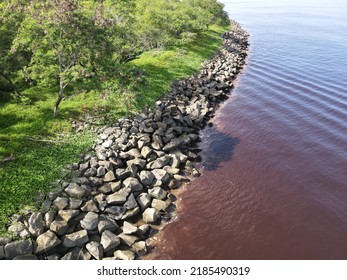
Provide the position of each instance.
(38, 164)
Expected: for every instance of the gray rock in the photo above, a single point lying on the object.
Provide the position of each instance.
(59, 226)
(18, 248)
(181, 178)
(171, 170)
(131, 213)
(90, 172)
(118, 198)
(140, 248)
(126, 255)
(106, 223)
(143, 229)
(49, 218)
(128, 239)
(133, 184)
(107, 144)
(46, 241)
(144, 200)
(106, 189)
(2, 252)
(75, 203)
(150, 215)
(75, 254)
(90, 221)
(115, 186)
(131, 202)
(101, 171)
(161, 175)
(146, 151)
(160, 205)
(122, 173)
(75, 239)
(146, 177)
(26, 258)
(109, 176)
(109, 240)
(61, 202)
(129, 228)
(16, 228)
(182, 157)
(67, 215)
(95, 249)
(139, 163)
(24, 234)
(75, 190)
(90, 206)
(156, 164)
(158, 193)
(36, 224)
(116, 211)
(172, 145)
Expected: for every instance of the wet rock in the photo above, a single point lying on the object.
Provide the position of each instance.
(90, 221)
(18, 248)
(74, 190)
(95, 249)
(124, 255)
(75, 239)
(46, 242)
(150, 215)
(36, 224)
(109, 240)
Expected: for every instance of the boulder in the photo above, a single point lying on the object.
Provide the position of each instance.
(74, 203)
(116, 211)
(59, 227)
(95, 249)
(106, 223)
(129, 228)
(146, 177)
(36, 224)
(128, 239)
(124, 255)
(131, 202)
(144, 201)
(140, 248)
(75, 190)
(61, 202)
(46, 242)
(159, 204)
(90, 221)
(133, 184)
(109, 240)
(75, 239)
(109, 176)
(67, 215)
(2, 252)
(118, 198)
(161, 174)
(150, 215)
(18, 248)
(158, 193)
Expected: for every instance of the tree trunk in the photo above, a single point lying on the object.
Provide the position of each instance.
(59, 99)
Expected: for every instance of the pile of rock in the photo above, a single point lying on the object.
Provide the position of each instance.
(122, 188)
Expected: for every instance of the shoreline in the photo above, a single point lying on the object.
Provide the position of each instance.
(121, 192)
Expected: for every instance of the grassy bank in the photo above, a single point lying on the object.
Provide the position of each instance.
(43, 145)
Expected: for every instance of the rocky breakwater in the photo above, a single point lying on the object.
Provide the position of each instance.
(120, 191)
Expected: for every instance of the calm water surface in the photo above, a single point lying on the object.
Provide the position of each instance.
(274, 182)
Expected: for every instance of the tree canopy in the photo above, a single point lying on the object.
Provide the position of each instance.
(60, 42)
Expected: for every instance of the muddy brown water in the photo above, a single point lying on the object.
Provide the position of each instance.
(274, 164)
